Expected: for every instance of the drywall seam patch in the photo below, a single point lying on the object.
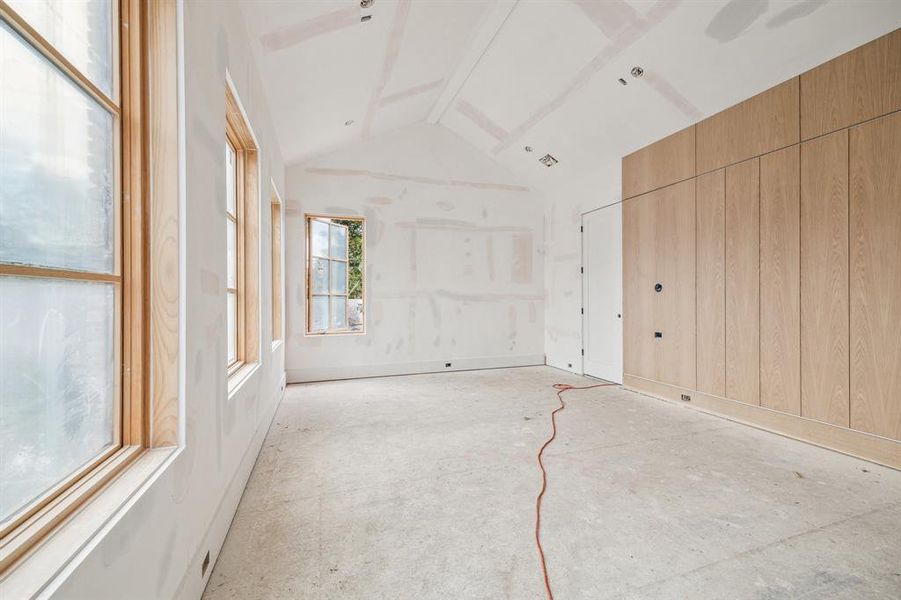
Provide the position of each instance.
(410, 92)
(672, 95)
(628, 36)
(291, 35)
(416, 179)
(610, 16)
(482, 121)
(392, 50)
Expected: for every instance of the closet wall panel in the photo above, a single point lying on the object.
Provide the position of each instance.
(875, 239)
(742, 282)
(664, 162)
(711, 284)
(674, 311)
(824, 281)
(761, 124)
(639, 233)
(793, 319)
(860, 85)
(780, 280)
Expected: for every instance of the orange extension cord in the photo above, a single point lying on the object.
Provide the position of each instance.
(561, 388)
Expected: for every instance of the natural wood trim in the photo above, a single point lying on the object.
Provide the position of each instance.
(39, 43)
(35, 572)
(162, 98)
(133, 222)
(275, 273)
(862, 445)
(247, 218)
(49, 273)
(54, 492)
(51, 515)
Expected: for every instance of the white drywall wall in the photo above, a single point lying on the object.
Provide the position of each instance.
(563, 247)
(454, 258)
(154, 548)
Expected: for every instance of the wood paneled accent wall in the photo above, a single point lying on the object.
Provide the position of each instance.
(774, 229)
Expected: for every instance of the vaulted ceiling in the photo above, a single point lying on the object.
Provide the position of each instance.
(505, 74)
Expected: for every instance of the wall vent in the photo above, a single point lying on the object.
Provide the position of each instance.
(548, 161)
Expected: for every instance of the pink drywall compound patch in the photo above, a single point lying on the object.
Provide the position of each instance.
(482, 120)
(628, 35)
(416, 179)
(672, 95)
(291, 35)
(610, 16)
(392, 50)
(410, 92)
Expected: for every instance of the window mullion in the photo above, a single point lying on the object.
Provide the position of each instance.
(46, 49)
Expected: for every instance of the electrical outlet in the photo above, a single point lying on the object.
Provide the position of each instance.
(686, 398)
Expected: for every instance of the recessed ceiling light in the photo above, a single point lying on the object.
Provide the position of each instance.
(548, 160)
(366, 3)
(348, 122)
(528, 148)
(637, 72)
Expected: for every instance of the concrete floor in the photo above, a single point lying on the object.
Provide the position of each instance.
(424, 487)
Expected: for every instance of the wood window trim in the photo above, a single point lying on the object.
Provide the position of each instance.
(247, 206)
(144, 84)
(275, 227)
(308, 266)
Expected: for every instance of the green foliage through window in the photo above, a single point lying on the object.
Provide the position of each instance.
(354, 256)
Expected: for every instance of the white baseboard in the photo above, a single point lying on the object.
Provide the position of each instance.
(411, 368)
(191, 586)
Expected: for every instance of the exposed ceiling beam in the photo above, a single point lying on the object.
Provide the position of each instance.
(492, 22)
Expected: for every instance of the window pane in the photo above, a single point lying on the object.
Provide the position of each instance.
(80, 29)
(232, 241)
(232, 327)
(319, 313)
(319, 276)
(338, 277)
(319, 234)
(57, 376)
(56, 166)
(338, 244)
(231, 160)
(355, 314)
(339, 312)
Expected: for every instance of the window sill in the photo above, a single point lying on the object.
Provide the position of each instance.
(329, 334)
(237, 378)
(38, 570)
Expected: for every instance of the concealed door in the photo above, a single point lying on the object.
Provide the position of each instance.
(602, 293)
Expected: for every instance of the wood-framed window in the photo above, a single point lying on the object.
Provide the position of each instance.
(242, 237)
(75, 406)
(335, 275)
(276, 258)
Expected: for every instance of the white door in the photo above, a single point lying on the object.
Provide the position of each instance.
(602, 293)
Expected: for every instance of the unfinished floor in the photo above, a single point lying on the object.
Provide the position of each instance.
(424, 487)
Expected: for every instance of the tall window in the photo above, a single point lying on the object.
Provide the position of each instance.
(335, 300)
(242, 227)
(276, 257)
(235, 250)
(71, 254)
